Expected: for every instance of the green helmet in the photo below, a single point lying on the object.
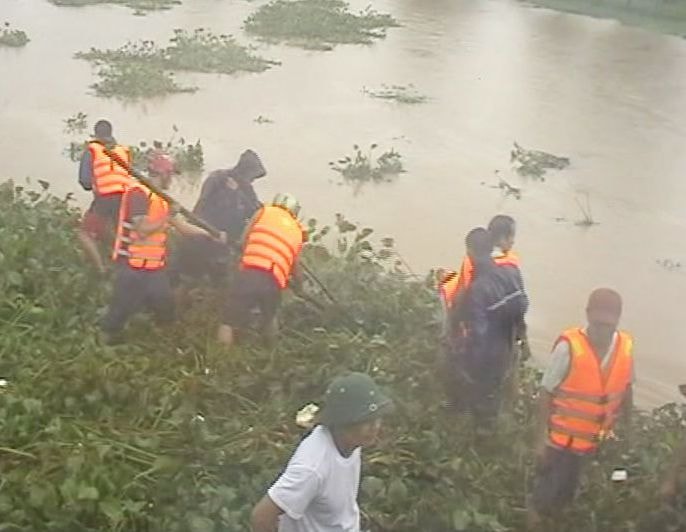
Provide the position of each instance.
(353, 398)
(288, 202)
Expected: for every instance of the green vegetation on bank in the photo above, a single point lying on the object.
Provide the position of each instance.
(169, 432)
(317, 24)
(665, 16)
(143, 69)
(12, 38)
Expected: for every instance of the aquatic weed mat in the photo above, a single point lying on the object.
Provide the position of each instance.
(144, 69)
(141, 7)
(317, 24)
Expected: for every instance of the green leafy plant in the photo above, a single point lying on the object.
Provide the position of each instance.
(397, 93)
(12, 38)
(317, 24)
(143, 69)
(170, 432)
(361, 167)
(534, 163)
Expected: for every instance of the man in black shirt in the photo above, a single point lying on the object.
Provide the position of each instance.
(227, 201)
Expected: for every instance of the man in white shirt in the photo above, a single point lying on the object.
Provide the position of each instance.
(317, 492)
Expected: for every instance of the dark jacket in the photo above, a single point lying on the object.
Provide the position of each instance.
(227, 209)
(491, 312)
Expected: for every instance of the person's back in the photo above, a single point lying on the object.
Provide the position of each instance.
(493, 306)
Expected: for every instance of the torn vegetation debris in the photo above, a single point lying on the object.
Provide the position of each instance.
(534, 163)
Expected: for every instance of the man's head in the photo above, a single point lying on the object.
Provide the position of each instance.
(161, 168)
(353, 406)
(603, 311)
(103, 130)
(248, 168)
(479, 245)
(502, 229)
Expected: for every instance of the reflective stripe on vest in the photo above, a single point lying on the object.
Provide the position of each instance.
(273, 243)
(454, 282)
(588, 400)
(146, 252)
(108, 176)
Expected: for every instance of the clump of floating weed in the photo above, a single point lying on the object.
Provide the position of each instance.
(362, 167)
(317, 24)
(143, 69)
(397, 93)
(12, 38)
(535, 163)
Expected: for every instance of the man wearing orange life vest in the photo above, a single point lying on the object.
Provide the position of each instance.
(107, 180)
(454, 283)
(140, 251)
(271, 246)
(586, 388)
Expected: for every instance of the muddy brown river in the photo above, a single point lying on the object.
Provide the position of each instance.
(609, 96)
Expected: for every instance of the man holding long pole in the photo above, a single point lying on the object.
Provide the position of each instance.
(140, 252)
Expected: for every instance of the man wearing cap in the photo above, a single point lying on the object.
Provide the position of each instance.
(317, 492)
(587, 386)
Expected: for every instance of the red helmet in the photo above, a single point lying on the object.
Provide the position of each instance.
(160, 164)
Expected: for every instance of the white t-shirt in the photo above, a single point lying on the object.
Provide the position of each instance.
(318, 489)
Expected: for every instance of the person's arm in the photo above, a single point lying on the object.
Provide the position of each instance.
(552, 378)
(627, 411)
(265, 516)
(138, 209)
(545, 405)
(186, 228)
(86, 170)
(291, 494)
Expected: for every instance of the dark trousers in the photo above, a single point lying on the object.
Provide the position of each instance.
(557, 480)
(136, 290)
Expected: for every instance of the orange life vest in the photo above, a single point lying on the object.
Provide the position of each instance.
(108, 176)
(454, 282)
(147, 252)
(587, 402)
(273, 243)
